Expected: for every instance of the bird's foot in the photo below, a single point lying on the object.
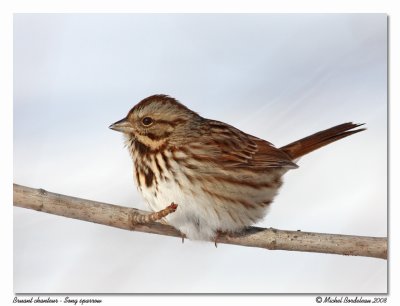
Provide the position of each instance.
(217, 236)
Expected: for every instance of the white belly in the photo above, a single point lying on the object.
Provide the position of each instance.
(199, 214)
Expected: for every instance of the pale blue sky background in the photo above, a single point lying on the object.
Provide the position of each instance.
(279, 77)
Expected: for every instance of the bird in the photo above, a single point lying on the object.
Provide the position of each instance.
(223, 179)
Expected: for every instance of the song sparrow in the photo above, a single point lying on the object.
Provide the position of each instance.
(221, 178)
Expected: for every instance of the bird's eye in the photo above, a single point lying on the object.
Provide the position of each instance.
(147, 121)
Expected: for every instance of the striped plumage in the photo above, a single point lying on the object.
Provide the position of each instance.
(221, 178)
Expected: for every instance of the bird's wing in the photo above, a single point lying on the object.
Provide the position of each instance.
(227, 146)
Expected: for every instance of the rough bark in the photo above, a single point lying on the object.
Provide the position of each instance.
(137, 220)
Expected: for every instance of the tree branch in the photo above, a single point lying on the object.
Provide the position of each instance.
(127, 218)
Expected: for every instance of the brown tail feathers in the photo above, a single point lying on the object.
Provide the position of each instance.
(315, 141)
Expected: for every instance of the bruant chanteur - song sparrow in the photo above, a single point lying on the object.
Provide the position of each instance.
(222, 179)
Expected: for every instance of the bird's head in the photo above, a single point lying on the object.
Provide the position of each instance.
(157, 120)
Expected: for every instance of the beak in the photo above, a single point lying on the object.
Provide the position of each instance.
(123, 126)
